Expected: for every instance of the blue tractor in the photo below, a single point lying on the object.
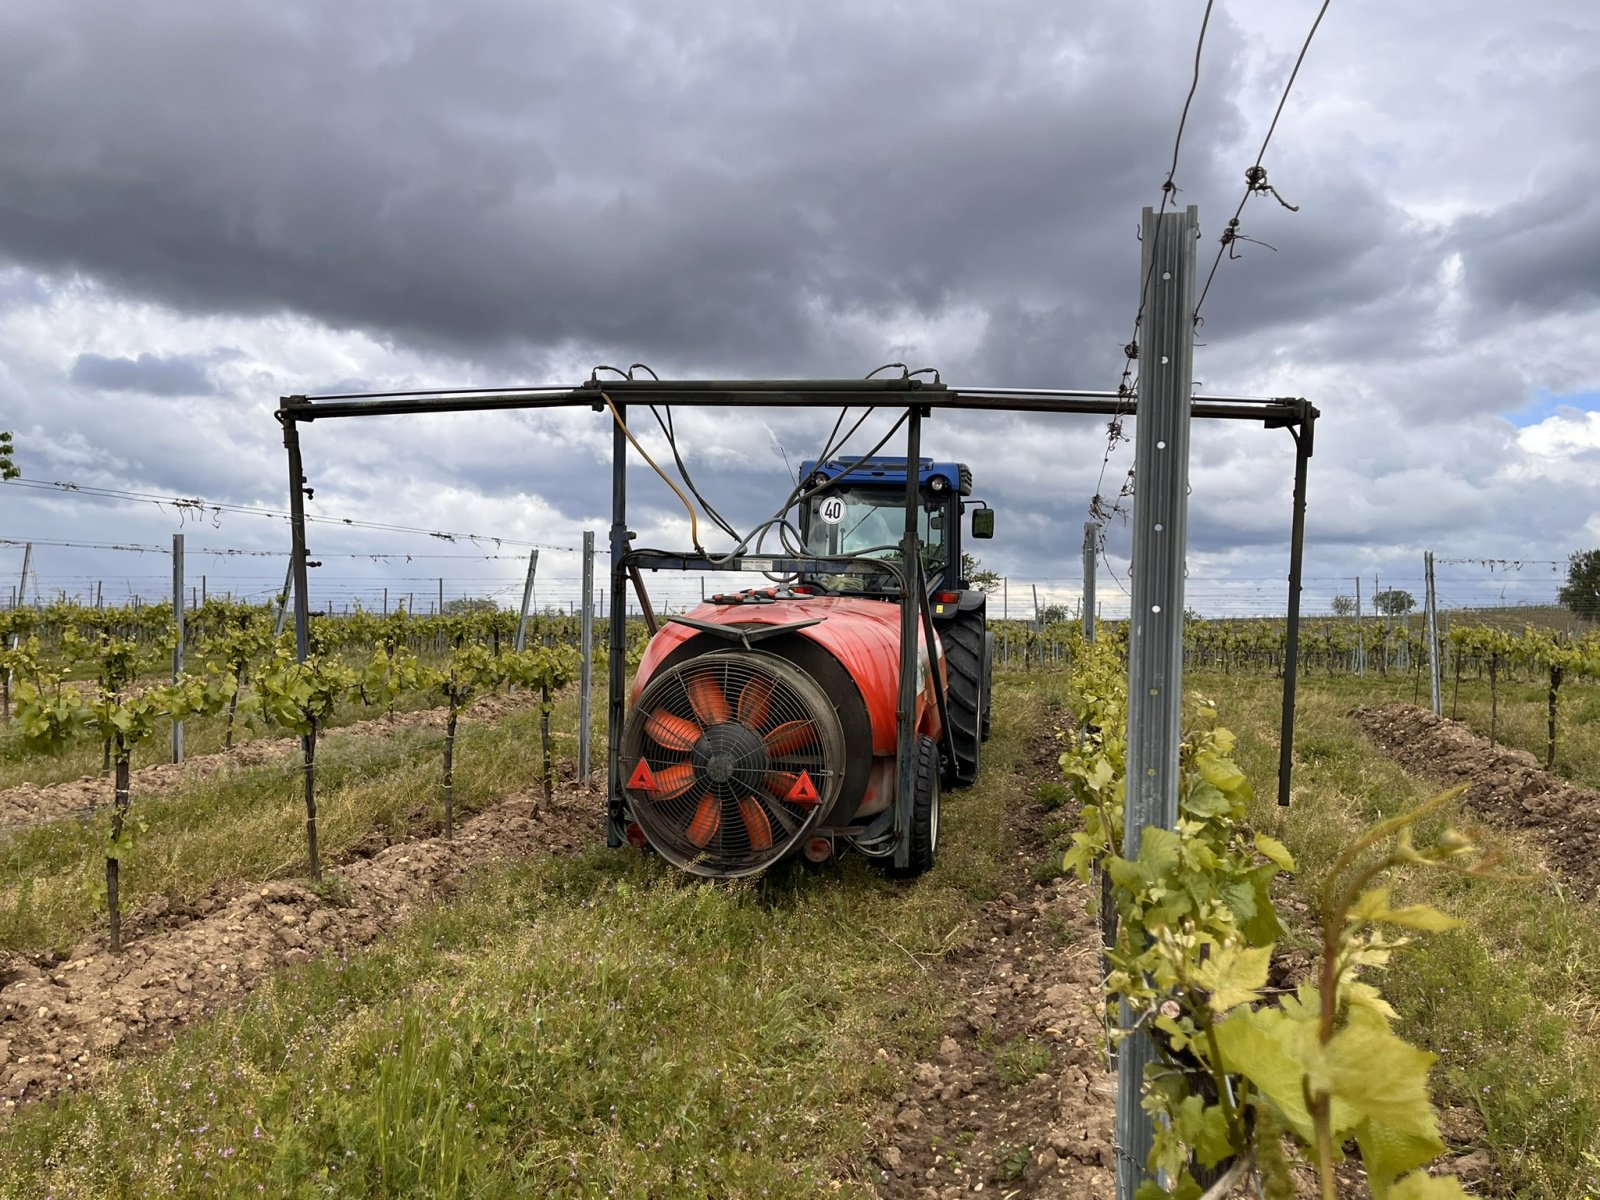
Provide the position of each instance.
(858, 508)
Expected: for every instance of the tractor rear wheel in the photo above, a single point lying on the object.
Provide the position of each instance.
(988, 683)
(966, 663)
(924, 830)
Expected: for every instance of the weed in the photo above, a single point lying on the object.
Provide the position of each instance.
(1014, 1165)
(1052, 796)
(1019, 1060)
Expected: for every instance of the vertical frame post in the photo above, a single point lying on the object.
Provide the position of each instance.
(617, 634)
(178, 629)
(586, 660)
(1155, 629)
(1304, 438)
(910, 617)
(297, 535)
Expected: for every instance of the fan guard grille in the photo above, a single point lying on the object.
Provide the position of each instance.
(731, 759)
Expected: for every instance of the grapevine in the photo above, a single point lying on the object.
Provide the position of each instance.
(1189, 958)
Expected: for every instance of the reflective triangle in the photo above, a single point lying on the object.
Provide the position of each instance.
(803, 791)
(642, 780)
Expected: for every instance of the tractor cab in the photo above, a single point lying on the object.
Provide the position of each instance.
(858, 508)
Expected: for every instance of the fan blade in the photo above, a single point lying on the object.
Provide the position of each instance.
(673, 781)
(705, 694)
(779, 783)
(673, 732)
(789, 737)
(755, 701)
(707, 818)
(756, 823)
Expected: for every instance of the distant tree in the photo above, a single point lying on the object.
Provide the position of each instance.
(1054, 614)
(8, 469)
(1394, 602)
(469, 604)
(1581, 592)
(1344, 606)
(972, 571)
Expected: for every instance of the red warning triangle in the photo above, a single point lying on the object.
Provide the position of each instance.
(803, 791)
(642, 780)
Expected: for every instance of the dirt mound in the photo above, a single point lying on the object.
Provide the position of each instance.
(1507, 786)
(60, 1025)
(28, 803)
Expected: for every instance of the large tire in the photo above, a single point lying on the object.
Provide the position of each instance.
(965, 665)
(988, 683)
(924, 831)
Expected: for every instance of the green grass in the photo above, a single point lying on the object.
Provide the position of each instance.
(594, 1026)
(1511, 1002)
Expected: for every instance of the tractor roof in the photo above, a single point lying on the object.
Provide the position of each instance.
(885, 471)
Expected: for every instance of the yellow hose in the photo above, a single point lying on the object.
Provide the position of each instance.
(694, 522)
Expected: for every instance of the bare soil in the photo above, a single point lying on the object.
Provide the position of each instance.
(28, 803)
(1505, 786)
(61, 1024)
(1018, 1100)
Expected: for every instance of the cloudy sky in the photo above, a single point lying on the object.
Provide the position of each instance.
(205, 206)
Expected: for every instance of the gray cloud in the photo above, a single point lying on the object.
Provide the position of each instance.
(177, 376)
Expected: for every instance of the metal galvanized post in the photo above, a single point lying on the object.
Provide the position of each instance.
(1361, 634)
(527, 598)
(617, 634)
(910, 618)
(1434, 691)
(177, 646)
(16, 602)
(1091, 545)
(586, 661)
(284, 597)
(22, 584)
(1155, 628)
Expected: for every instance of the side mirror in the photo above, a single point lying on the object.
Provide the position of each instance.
(983, 523)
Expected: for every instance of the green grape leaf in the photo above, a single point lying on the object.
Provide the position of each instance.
(1419, 1185)
(1234, 975)
(1275, 851)
(1221, 773)
(1387, 1153)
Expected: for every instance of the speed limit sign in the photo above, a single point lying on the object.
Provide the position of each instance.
(831, 510)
